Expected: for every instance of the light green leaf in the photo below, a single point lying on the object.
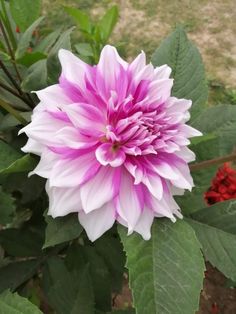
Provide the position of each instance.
(8, 155)
(218, 247)
(23, 164)
(108, 22)
(47, 42)
(81, 18)
(26, 38)
(12, 303)
(30, 58)
(84, 49)
(36, 77)
(25, 12)
(187, 69)
(7, 207)
(166, 272)
(61, 230)
(221, 121)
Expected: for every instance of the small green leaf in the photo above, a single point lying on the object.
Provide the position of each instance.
(8, 155)
(108, 22)
(81, 18)
(47, 42)
(84, 49)
(61, 230)
(12, 303)
(26, 38)
(25, 12)
(7, 208)
(30, 58)
(187, 69)
(23, 164)
(36, 77)
(166, 272)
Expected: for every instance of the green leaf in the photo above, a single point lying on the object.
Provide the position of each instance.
(78, 257)
(110, 248)
(166, 272)
(36, 77)
(25, 12)
(70, 292)
(12, 303)
(7, 208)
(108, 22)
(21, 242)
(23, 164)
(8, 155)
(84, 49)
(221, 216)
(220, 121)
(81, 18)
(187, 69)
(30, 58)
(61, 230)
(53, 65)
(9, 121)
(47, 42)
(218, 247)
(15, 274)
(26, 38)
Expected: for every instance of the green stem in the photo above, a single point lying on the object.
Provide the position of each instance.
(208, 163)
(13, 112)
(12, 91)
(7, 24)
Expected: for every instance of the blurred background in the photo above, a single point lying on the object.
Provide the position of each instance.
(144, 23)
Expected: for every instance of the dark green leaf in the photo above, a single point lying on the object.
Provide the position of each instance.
(111, 249)
(8, 155)
(77, 258)
(187, 69)
(36, 77)
(108, 22)
(12, 303)
(47, 42)
(7, 207)
(26, 38)
(8, 121)
(21, 242)
(61, 230)
(165, 272)
(15, 274)
(70, 292)
(84, 49)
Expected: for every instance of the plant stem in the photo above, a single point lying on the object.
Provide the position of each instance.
(7, 24)
(8, 74)
(211, 162)
(12, 91)
(10, 50)
(13, 112)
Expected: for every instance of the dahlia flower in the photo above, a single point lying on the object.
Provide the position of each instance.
(112, 142)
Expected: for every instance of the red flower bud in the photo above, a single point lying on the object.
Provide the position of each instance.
(17, 29)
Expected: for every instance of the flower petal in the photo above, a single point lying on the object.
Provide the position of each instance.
(98, 221)
(107, 156)
(100, 189)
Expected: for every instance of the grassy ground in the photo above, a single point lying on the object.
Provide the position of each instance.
(144, 23)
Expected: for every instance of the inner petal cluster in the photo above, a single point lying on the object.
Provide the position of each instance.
(112, 142)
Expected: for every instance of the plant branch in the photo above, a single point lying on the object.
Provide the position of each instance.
(8, 74)
(13, 112)
(211, 162)
(12, 91)
(10, 50)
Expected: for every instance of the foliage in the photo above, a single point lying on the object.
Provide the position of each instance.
(54, 256)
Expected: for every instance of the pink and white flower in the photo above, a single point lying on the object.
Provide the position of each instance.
(113, 143)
